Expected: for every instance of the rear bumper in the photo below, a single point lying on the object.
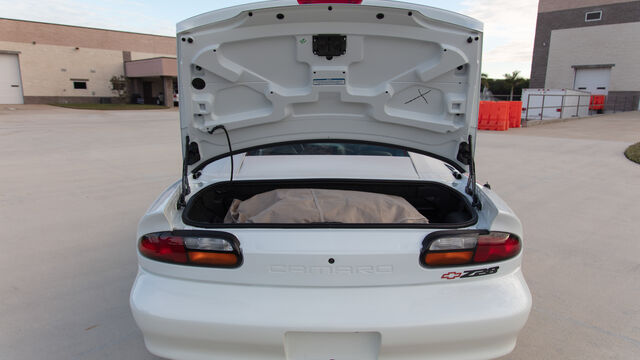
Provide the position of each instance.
(188, 320)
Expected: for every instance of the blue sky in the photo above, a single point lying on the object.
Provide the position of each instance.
(509, 24)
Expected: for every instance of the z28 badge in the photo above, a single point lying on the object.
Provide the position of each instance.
(469, 273)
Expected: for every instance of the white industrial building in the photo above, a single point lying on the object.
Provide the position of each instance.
(589, 45)
(42, 63)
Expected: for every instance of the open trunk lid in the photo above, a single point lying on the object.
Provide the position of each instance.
(380, 72)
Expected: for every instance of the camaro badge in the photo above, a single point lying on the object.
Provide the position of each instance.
(451, 275)
(470, 273)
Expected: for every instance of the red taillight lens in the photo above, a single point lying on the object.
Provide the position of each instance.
(462, 248)
(163, 247)
(199, 249)
(305, 2)
(496, 247)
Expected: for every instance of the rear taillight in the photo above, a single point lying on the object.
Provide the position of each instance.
(305, 2)
(463, 248)
(496, 246)
(213, 249)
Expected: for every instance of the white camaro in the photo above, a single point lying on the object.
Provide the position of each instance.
(347, 224)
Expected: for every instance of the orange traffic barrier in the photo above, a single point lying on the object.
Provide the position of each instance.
(596, 102)
(502, 115)
(499, 115)
(515, 114)
(483, 115)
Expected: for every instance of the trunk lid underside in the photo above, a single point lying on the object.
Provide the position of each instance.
(270, 73)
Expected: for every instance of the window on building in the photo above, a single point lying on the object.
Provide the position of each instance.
(593, 16)
(118, 84)
(80, 85)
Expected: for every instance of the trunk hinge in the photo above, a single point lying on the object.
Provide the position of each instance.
(191, 156)
(465, 156)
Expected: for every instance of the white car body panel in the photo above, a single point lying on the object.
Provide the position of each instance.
(345, 166)
(230, 12)
(260, 79)
(286, 301)
(471, 320)
(378, 286)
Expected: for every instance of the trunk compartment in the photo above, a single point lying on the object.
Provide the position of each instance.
(442, 205)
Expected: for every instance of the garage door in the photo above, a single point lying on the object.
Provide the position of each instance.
(10, 84)
(595, 81)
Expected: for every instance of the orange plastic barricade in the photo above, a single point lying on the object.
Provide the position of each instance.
(483, 115)
(502, 115)
(597, 102)
(499, 115)
(493, 116)
(515, 114)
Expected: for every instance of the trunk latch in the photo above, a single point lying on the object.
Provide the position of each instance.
(329, 45)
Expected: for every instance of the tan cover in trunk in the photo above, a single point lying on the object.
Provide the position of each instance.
(323, 206)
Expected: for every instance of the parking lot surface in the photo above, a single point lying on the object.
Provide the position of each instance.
(75, 182)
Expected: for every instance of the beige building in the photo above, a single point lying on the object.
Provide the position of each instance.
(50, 63)
(589, 45)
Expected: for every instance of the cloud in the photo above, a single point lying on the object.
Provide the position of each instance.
(508, 34)
(115, 14)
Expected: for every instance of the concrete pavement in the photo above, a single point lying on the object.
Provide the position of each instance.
(579, 200)
(75, 182)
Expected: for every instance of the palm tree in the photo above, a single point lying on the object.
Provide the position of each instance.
(484, 80)
(512, 80)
